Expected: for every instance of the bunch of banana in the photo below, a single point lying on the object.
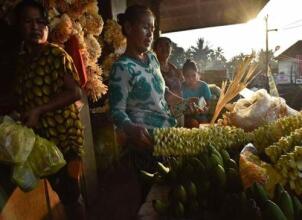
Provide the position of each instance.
(282, 206)
(289, 166)
(268, 134)
(196, 183)
(183, 141)
(284, 145)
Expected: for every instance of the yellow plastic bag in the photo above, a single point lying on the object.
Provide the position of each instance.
(252, 169)
(45, 158)
(249, 166)
(16, 141)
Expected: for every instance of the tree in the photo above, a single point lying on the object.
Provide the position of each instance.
(261, 60)
(178, 56)
(217, 59)
(200, 54)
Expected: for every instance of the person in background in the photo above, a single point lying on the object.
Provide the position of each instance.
(46, 90)
(215, 94)
(162, 46)
(193, 87)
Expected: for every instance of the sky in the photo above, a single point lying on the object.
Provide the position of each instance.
(284, 15)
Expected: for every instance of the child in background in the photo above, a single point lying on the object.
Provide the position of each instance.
(193, 87)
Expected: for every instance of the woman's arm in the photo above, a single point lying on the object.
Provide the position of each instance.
(119, 87)
(172, 98)
(71, 93)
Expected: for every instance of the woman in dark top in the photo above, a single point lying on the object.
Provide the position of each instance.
(162, 46)
(173, 77)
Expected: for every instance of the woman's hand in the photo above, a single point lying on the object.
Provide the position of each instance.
(194, 107)
(138, 135)
(31, 118)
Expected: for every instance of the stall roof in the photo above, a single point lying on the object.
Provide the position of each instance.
(291, 52)
(179, 15)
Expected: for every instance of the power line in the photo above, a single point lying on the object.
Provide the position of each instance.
(291, 23)
(288, 28)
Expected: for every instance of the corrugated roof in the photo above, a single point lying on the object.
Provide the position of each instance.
(291, 52)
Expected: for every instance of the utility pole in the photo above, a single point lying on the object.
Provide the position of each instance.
(266, 49)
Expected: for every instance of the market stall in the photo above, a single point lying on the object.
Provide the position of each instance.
(246, 166)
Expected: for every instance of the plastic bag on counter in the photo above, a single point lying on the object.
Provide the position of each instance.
(16, 141)
(252, 169)
(259, 109)
(24, 177)
(249, 167)
(45, 158)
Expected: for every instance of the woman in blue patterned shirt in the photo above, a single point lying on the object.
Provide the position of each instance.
(137, 101)
(137, 98)
(137, 90)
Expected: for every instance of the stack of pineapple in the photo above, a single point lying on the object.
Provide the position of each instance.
(62, 126)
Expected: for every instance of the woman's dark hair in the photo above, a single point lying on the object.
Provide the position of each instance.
(19, 9)
(160, 39)
(189, 65)
(132, 14)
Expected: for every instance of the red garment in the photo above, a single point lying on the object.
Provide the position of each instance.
(73, 49)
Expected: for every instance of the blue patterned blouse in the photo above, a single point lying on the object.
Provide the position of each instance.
(137, 93)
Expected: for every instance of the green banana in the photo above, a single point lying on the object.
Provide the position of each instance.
(278, 191)
(271, 211)
(260, 194)
(286, 205)
(297, 208)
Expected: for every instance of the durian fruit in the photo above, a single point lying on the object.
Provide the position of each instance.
(183, 141)
(268, 134)
(284, 145)
(290, 167)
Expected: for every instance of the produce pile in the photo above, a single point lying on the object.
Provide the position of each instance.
(204, 179)
(208, 186)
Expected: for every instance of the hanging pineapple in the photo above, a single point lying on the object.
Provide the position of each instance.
(40, 82)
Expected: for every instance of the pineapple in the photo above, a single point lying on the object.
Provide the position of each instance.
(39, 82)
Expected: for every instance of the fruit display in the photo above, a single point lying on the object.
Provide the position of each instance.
(208, 186)
(290, 167)
(183, 141)
(201, 168)
(284, 145)
(268, 134)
